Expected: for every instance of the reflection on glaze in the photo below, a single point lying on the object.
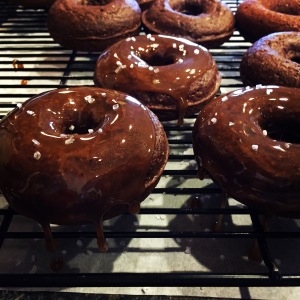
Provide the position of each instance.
(157, 64)
(76, 156)
(251, 146)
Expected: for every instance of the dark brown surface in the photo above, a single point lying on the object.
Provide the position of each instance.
(257, 18)
(249, 143)
(54, 171)
(273, 59)
(95, 26)
(209, 23)
(171, 76)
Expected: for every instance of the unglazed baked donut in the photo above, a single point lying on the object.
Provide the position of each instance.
(257, 18)
(273, 59)
(173, 77)
(207, 22)
(80, 155)
(249, 143)
(93, 25)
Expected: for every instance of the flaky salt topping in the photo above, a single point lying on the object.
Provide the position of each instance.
(89, 99)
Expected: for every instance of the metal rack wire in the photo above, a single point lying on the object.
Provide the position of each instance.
(30, 63)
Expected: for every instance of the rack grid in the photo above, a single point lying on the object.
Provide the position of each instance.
(31, 63)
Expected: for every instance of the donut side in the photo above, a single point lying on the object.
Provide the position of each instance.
(87, 27)
(209, 23)
(258, 18)
(273, 59)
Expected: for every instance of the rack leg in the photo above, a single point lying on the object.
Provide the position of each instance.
(254, 252)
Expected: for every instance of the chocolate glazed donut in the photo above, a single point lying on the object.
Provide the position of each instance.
(249, 143)
(207, 22)
(173, 77)
(274, 59)
(92, 25)
(258, 18)
(80, 155)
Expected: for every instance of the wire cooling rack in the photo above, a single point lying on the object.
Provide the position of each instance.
(176, 240)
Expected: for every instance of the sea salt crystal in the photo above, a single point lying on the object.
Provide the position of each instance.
(254, 147)
(89, 99)
(196, 51)
(37, 155)
(69, 140)
(30, 112)
(269, 91)
(36, 142)
(214, 120)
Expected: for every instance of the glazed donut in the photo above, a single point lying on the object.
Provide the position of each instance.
(207, 22)
(173, 77)
(80, 155)
(273, 59)
(92, 25)
(33, 3)
(249, 143)
(258, 18)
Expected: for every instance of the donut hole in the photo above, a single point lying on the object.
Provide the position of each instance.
(286, 130)
(284, 7)
(93, 2)
(81, 123)
(158, 59)
(189, 8)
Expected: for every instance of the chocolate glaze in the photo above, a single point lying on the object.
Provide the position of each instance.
(249, 143)
(80, 155)
(274, 59)
(258, 18)
(207, 22)
(93, 25)
(166, 74)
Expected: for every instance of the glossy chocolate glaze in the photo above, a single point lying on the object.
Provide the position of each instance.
(159, 65)
(249, 142)
(79, 155)
(93, 25)
(274, 59)
(207, 22)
